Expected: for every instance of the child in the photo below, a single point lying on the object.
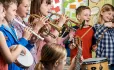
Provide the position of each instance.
(8, 31)
(7, 55)
(22, 12)
(85, 33)
(105, 48)
(56, 61)
(42, 9)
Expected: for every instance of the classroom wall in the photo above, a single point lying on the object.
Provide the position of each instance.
(95, 6)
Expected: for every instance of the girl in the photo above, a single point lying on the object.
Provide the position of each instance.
(56, 61)
(8, 31)
(105, 48)
(42, 9)
(22, 12)
(85, 33)
(7, 55)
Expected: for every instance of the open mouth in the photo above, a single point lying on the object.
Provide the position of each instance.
(27, 13)
(87, 20)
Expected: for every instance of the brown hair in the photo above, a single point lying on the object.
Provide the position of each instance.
(80, 9)
(7, 3)
(50, 53)
(35, 6)
(19, 2)
(105, 8)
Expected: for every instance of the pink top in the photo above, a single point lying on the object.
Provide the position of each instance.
(3, 64)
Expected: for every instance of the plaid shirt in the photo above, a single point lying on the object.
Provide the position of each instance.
(106, 44)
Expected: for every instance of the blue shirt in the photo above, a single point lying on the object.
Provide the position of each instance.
(11, 39)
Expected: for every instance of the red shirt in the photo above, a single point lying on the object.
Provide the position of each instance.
(87, 42)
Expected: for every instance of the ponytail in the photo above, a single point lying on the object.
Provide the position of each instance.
(39, 66)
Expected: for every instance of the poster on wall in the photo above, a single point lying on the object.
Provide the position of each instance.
(71, 5)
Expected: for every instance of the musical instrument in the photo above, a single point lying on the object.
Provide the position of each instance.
(44, 30)
(26, 60)
(95, 64)
(70, 20)
(38, 36)
(78, 42)
(66, 26)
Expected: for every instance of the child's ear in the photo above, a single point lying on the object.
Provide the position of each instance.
(101, 12)
(56, 63)
(78, 17)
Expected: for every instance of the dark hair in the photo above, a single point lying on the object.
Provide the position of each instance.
(35, 6)
(19, 2)
(80, 9)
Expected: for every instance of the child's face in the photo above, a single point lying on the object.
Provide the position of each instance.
(11, 12)
(85, 15)
(107, 16)
(23, 9)
(2, 13)
(61, 64)
(45, 8)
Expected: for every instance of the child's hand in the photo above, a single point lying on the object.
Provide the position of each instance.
(72, 46)
(39, 23)
(73, 62)
(94, 48)
(23, 52)
(27, 33)
(108, 24)
(62, 20)
(71, 33)
(13, 47)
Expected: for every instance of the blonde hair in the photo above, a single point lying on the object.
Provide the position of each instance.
(50, 53)
(105, 8)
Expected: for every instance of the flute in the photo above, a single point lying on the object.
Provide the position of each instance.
(38, 36)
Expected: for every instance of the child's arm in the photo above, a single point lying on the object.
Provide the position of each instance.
(99, 28)
(25, 39)
(5, 51)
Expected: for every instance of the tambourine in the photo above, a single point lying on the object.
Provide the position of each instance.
(26, 60)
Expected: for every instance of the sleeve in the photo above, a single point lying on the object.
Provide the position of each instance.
(99, 28)
(93, 38)
(26, 43)
(23, 41)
